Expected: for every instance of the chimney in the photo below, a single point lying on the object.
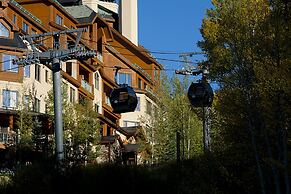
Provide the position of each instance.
(93, 4)
(129, 20)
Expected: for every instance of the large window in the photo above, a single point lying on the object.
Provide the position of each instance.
(8, 63)
(96, 81)
(9, 98)
(4, 31)
(37, 72)
(124, 78)
(59, 20)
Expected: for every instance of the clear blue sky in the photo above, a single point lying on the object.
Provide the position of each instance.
(171, 26)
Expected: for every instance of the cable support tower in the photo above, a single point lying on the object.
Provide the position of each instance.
(200, 95)
(53, 57)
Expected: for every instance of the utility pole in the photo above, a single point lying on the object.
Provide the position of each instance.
(55, 56)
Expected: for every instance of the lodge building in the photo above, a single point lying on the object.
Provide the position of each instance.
(91, 79)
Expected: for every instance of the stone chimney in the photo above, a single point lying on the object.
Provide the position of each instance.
(129, 20)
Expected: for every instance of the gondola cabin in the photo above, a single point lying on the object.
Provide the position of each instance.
(123, 99)
(200, 94)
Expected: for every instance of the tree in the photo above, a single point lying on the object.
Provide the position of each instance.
(247, 53)
(81, 129)
(174, 115)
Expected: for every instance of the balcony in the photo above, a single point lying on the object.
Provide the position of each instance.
(86, 86)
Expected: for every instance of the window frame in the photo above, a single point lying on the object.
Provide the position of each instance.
(37, 71)
(26, 71)
(138, 104)
(59, 20)
(9, 100)
(7, 30)
(127, 80)
(25, 27)
(36, 105)
(12, 67)
(72, 95)
(14, 19)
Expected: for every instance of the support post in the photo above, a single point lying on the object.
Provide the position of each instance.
(206, 129)
(58, 104)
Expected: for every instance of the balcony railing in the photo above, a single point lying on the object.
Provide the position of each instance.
(86, 85)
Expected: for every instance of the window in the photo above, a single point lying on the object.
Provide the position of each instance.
(145, 86)
(108, 132)
(107, 100)
(8, 63)
(26, 102)
(14, 19)
(9, 98)
(26, 71)
(25, 27)
(59, 20)
(69, 68)
(36, 105)
(46, 109)
(96, 107)
(96, 81)
(139, 83)
(46, 76)
(124, 78)
(4, 31)
(72, 95)
(37, 72)
(138, 104)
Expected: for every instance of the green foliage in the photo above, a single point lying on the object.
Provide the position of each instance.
(81, 129)
(248, 54)
(174, 115)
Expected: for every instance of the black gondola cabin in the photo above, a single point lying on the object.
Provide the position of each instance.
(123, 99)
(200, 94)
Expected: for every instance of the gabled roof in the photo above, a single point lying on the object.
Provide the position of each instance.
(106, 13)
(82, 13)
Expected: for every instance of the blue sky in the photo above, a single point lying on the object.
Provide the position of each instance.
(171, 26)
